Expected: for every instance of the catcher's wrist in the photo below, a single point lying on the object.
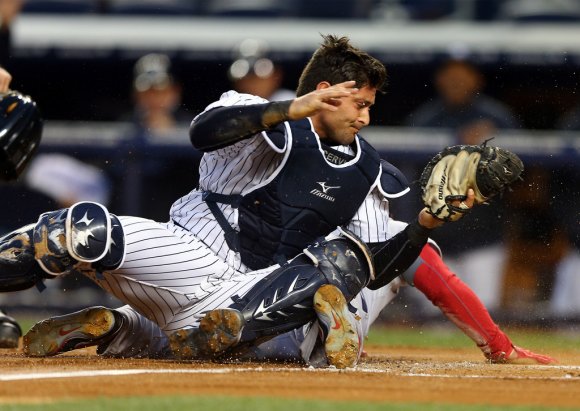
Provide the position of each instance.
(418, 233)
(275, 113)
(428, 221)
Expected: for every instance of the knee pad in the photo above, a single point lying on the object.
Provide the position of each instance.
(116, 252)
(88, 228)
(345, 261)
(85, 232)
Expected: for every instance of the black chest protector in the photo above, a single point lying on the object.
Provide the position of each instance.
(307, 199)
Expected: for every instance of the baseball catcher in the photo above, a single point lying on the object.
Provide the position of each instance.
(486, 169)
(20, 132)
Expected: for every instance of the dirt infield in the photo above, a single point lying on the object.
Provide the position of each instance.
(393, 375)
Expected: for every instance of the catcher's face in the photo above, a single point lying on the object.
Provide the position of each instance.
(339, 127)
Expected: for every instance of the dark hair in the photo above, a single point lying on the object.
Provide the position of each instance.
(335, 61)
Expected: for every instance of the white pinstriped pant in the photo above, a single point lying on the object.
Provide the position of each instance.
(171, 277)
(140, 337)
(164, 260)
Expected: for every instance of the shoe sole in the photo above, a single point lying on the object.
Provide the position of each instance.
(342, 342)
(47, 338)
(218, 330)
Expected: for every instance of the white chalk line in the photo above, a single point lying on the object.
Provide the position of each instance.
(112, 373)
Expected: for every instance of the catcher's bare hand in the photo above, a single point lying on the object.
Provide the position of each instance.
(428, 220)
(328, 98)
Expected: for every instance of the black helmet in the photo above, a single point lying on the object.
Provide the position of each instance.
(20, 132)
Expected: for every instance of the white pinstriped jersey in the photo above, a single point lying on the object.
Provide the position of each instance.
(173, 273)
(243, 167)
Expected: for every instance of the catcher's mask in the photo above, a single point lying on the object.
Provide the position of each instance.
(20, 132)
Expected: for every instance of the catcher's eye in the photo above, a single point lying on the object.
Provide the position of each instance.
(363, 104)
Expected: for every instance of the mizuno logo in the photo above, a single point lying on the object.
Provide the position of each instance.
(324, 187)
(324, 193)
(442, 183)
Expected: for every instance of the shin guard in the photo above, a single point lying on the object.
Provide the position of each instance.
(283, 300)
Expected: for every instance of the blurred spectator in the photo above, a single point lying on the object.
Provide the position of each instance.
(150, 182)
(564, 302)
(67, 180)
(540, 10)
(50, 181)
(253, 72)
(535, 242)
(535, 269)
(156, 96)
(9, 10)
(541, 268)
(461, 106)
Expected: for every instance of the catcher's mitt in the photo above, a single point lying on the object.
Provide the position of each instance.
(448, 176)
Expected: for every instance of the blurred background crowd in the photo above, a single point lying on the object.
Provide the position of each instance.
(117, 108)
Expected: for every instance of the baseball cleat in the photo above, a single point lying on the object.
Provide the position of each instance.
(342, 342)
(218, 330)
(10, 331)
(56, 335)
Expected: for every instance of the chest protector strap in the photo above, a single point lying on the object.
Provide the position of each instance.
(211, 199)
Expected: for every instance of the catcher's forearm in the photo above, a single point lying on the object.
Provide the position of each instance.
(392, 257)
(224, 126)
